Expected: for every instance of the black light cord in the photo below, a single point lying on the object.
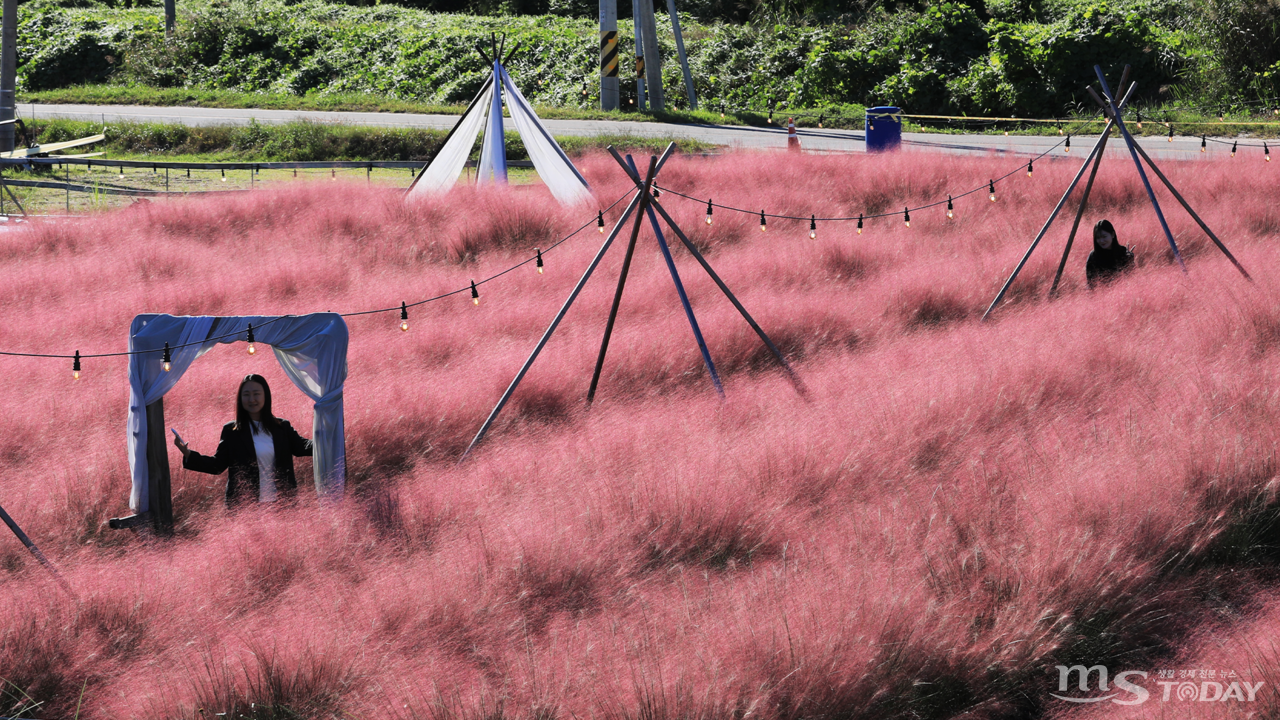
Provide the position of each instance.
(813, 218)
(81, 356)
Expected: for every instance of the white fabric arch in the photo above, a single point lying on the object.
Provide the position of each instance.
(312, 349)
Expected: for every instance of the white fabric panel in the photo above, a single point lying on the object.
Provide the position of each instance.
(553, 166)
(493, 152)
(444, 170)
(312, 349)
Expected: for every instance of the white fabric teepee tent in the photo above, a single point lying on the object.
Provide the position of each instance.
(553, 166)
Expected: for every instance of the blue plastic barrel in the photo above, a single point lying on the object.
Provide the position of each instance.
(884, 128)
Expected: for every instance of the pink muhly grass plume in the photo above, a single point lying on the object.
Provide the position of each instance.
(952, 510)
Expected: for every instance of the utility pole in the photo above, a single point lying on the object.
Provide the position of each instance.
(609, 94)
(169, 17)
(652, 61)
(684, 59)
(8, 72)
(636, 24)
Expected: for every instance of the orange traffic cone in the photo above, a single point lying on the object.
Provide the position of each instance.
(793, 140)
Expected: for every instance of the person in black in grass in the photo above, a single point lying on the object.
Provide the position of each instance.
(256, 450)
(1109, 258)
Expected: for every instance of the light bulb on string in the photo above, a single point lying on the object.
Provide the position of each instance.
(166, 360)
(1059, 128)
(1170, 133)
(770, 117)
(951, 213)
(1266, 151)
(1139, 119)
(764, 225)
(224, 174)
(709, 207)
(991, 190)
(1030, 168)
(252, 348)
(820, 122)
(656, 192)
(1067, 147)
(539, 261)
(121, 172)
(333, 174)
(1202, 148)
(404, 317)
(475, 294)
(906, 216)
(600, 222)
(75, 366)
(859, 223)
(813, 227)
(1233, 147)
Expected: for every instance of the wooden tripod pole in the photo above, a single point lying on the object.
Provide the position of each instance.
(1128, 140)
(706, 266)
(22, 537)
(1186, 206)
(1052, 216)
(635, 201)
(622, 282)
(1084, 202)
(684, 299)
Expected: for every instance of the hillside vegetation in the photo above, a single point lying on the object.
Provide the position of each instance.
(1004, 57)
(952, 509)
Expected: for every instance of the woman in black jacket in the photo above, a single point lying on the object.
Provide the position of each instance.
(1109, 258)
(256, 439)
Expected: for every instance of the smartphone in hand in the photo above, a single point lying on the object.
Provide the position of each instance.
(176, 435)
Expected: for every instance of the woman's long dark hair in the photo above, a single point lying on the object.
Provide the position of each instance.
(242, 416)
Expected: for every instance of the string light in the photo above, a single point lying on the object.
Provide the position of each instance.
(1067, 149)
(166, 360)
(539, 262)
(764, 225)
(991, 190)
(75, 367)
(709, 211)
(1233, 147)
(333, 174)
(1030, 168)
(1060, 128)
(121, 172)
(770, 117)
(859, 223)
(1170, 132)
(1139, 119)
(404, 317)
(1266, 152)
(600, 222)
(813, 227)
(656, 192)
(252, 348)
(951, 213)
(1202, 149)
(224, 174)
(820, 122)
(906, 216)
(475, 294)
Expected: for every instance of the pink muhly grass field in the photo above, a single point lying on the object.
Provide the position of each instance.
(954, 509)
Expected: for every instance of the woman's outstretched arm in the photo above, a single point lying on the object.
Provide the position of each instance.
(216, 465)
(298, 445)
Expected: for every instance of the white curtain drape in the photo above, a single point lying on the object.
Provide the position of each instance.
(312, 349)
(444, 170)
(553, 166)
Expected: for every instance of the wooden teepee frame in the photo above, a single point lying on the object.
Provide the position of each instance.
(1114, 112)
(644, 202)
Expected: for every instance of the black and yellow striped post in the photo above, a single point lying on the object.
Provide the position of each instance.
(609, 91)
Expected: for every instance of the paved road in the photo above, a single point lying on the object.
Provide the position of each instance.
(725, 135)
